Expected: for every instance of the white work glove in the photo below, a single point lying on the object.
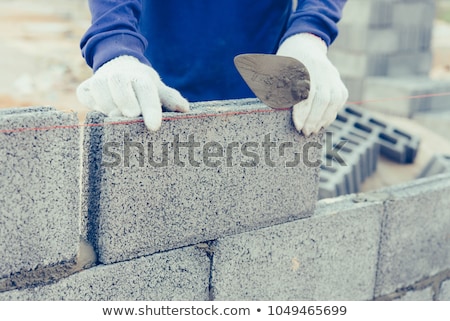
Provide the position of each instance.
(126, 87)
(327, 94)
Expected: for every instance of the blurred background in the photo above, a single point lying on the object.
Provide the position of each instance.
(40, 60)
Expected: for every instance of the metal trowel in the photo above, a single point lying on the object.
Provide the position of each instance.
(278, 81)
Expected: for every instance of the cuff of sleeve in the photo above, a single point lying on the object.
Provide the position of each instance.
(118, 45)
(311, 24)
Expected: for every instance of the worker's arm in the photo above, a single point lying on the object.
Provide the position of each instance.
(311, 29)
(124, 82)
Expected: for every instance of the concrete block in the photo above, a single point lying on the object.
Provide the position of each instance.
(377, 14)
(357, 157)
(415, 241)
(394, 143)
(414, 38)
(366, 39)
(444, 294)
(355, 88)
(418, 295)
(40, 181)
(437, 121)
(438, 164)
(247, 168)
(329, 256)
(405, 96)
(413, 13)
(179, 275)
(409, 64)
(359, 64)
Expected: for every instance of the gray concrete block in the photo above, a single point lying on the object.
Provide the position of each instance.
(377, 14)
(414, 38)
(437, 121)
(351, 162)
(402, 96)
(444, 294)
(394, 143)
(355, 88)
(418, 295)
(359, 64)
(415, 240)
(413, 13)
(366, 39)
(329, 256)
(40, 181)
(177, 275)
(409, 64)
(224, 184)
(438, 164)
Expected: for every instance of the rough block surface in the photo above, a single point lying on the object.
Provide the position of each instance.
(247, 168)
(444, 294)
(415, 241)
(176, 275)
(40, 181)
(419, 295)
(317, 258)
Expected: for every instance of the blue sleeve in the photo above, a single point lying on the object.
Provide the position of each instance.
(113, 32)
(319, 17)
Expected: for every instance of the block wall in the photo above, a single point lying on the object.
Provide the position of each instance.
(205, 232)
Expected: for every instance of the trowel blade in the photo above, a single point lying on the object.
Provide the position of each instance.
(278, 81)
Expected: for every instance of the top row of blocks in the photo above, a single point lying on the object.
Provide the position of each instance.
(388, 13)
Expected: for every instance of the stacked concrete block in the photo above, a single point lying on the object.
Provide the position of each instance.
(362, 138)
(406, 96)
(329, 256)
(438, 164)
(395, 144)
(224, 168)
(415, 242)
(384, 39)
(444, 294)
(39, 180)
(179, 275)
(358, 160)
(437, 121)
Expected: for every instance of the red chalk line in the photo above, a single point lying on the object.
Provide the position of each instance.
(224, 114)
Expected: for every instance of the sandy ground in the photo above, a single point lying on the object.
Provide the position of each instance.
(41, 65)
(40, 60)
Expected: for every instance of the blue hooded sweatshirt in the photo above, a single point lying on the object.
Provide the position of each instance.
(192, 43)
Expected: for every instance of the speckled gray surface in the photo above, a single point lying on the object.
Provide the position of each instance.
(418, 295)
(329, 256)
(444, 294)
(176, 275)
(146, 209)
(415, 241)
(39, 180)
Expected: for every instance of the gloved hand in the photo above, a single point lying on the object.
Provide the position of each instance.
(125, 86)
(327, 94)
